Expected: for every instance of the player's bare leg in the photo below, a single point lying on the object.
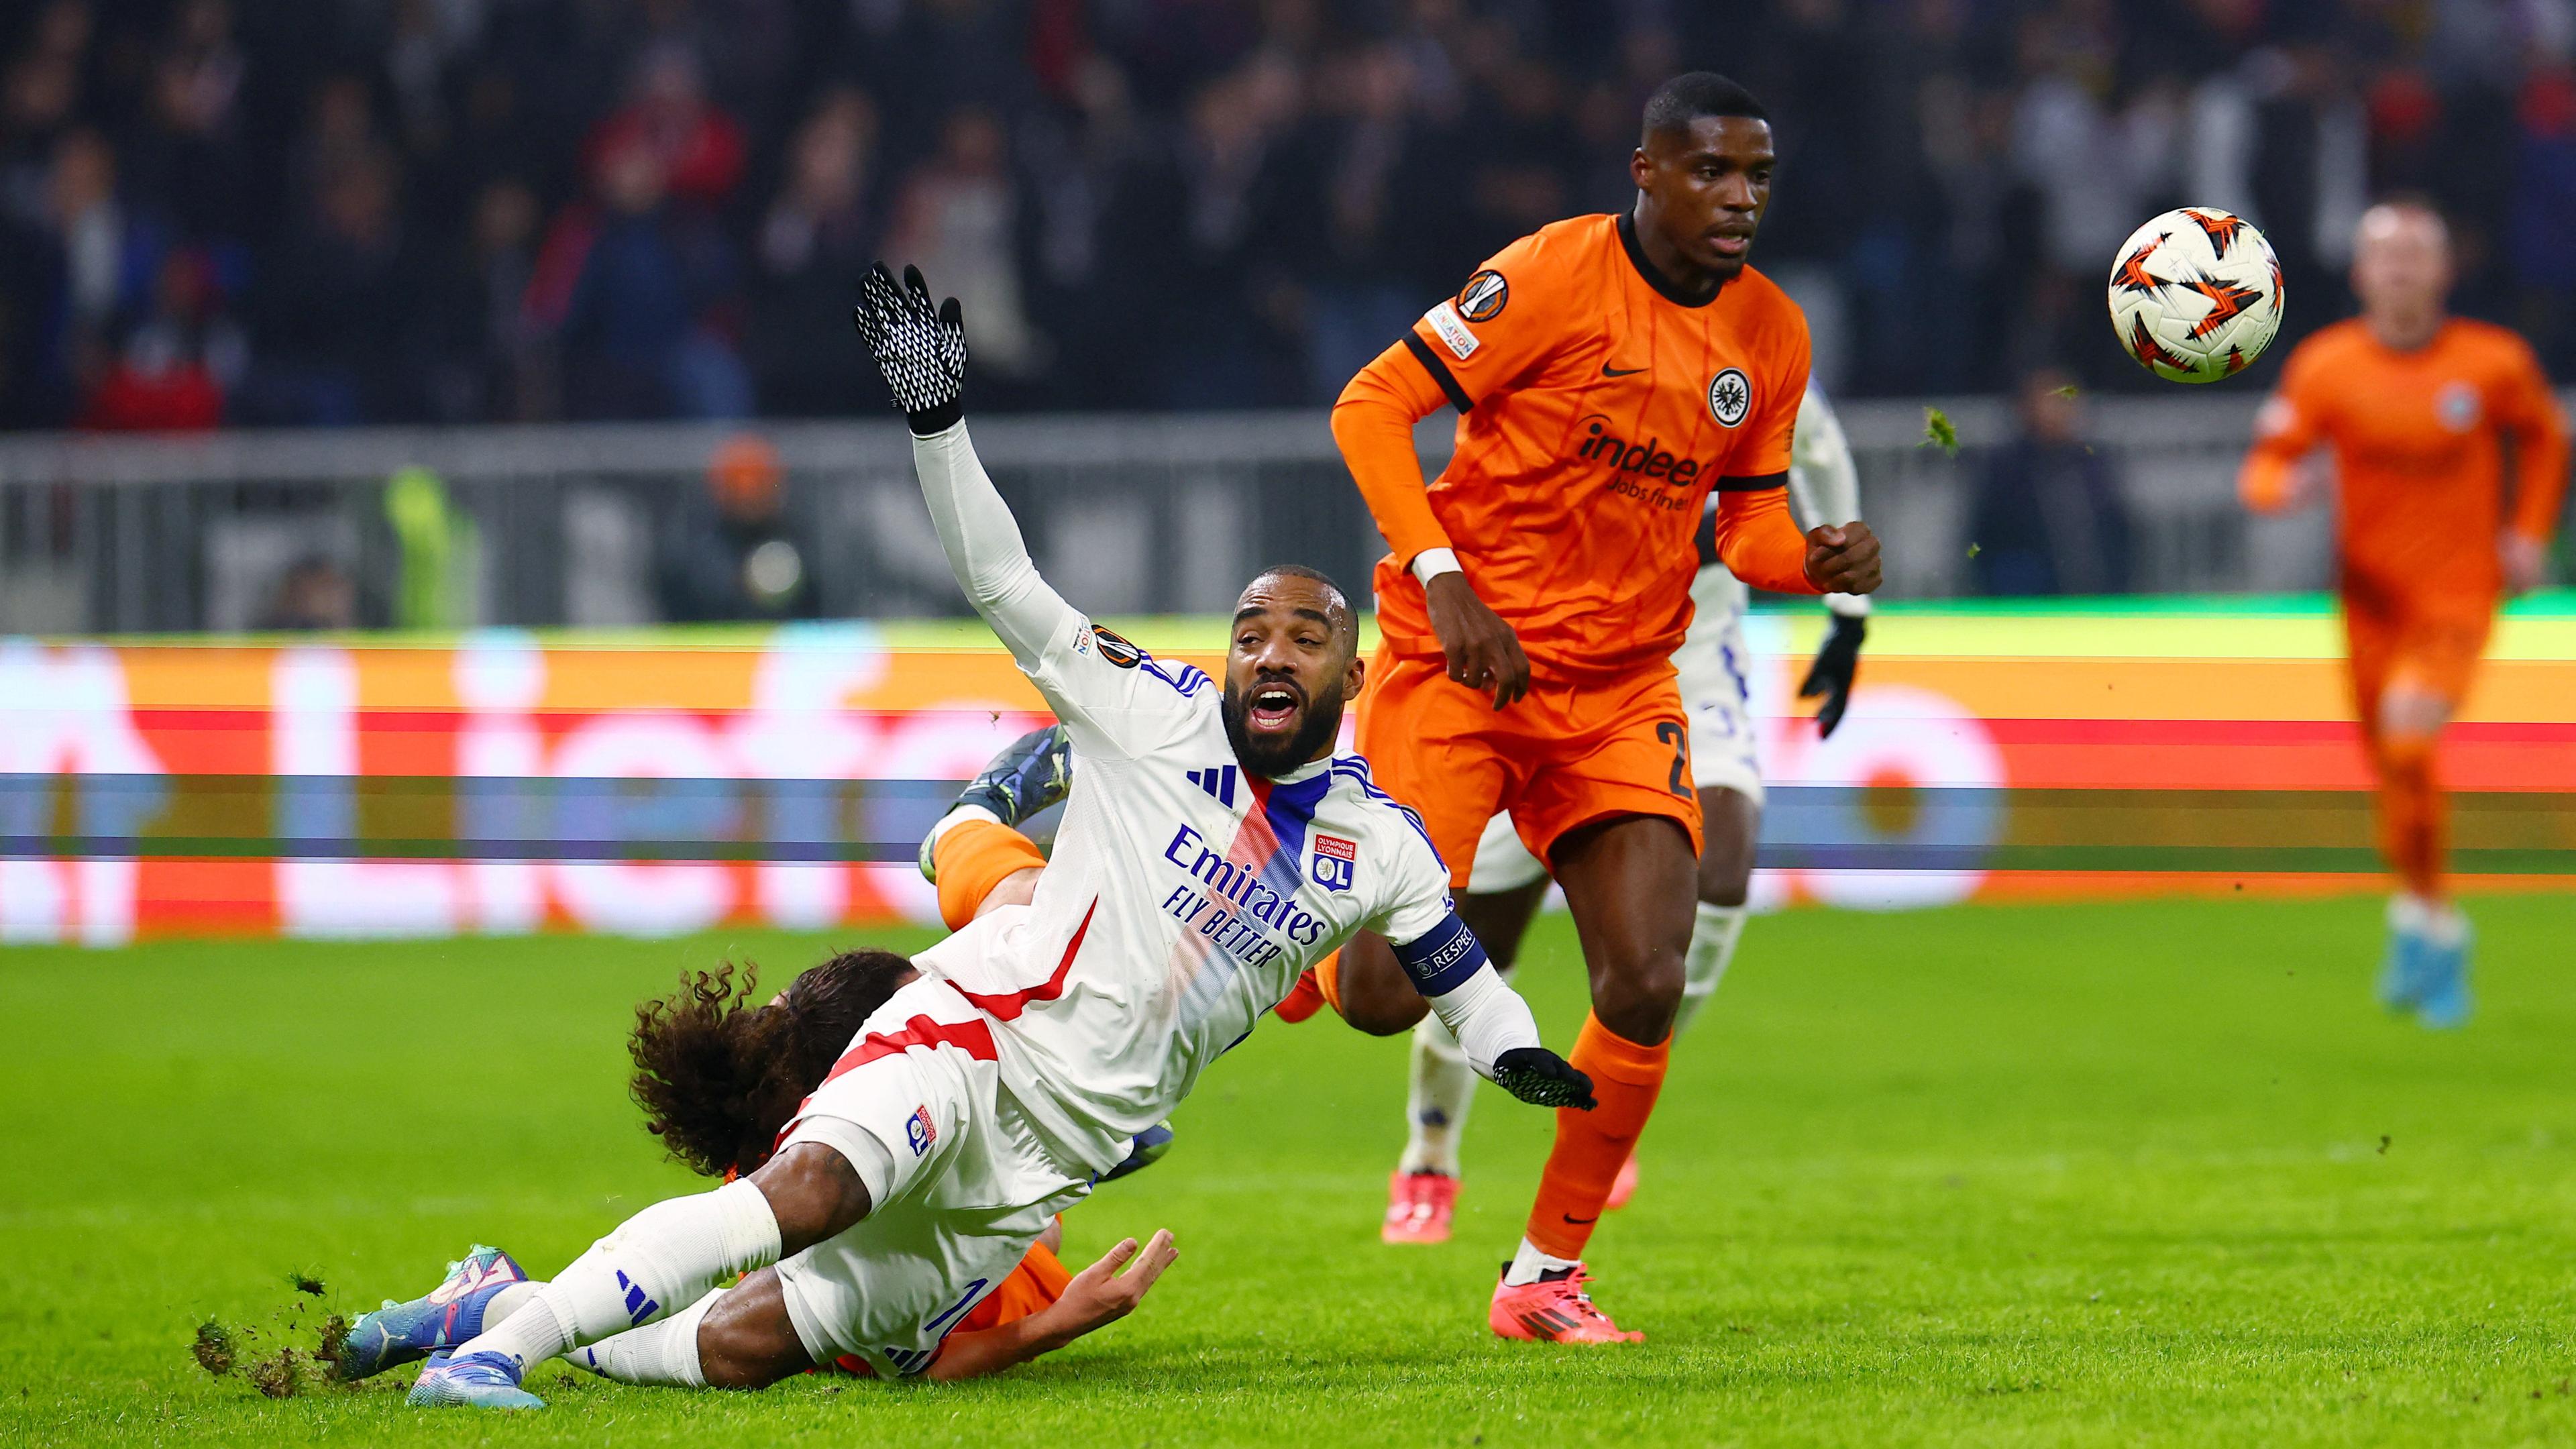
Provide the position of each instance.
(1630, 882)
(1422, 1195)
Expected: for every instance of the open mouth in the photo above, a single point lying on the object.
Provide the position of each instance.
(1271, 708)
(1730, 243)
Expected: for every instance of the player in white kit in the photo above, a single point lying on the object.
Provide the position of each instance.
(1212, 847)
(1508, 882)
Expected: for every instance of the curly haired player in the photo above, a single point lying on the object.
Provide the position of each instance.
(719, 1080)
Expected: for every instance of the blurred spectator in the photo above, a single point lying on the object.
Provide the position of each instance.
(336, 310)
(314, 593)
(958, 220)
(642, 321)
(2048, 517)
(484, 356)
(177, 362)
(698, 148)
(737, 555)
(818, 237)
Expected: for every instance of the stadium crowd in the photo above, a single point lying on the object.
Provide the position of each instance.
(347, 211)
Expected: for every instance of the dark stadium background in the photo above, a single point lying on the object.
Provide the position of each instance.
(392, 211)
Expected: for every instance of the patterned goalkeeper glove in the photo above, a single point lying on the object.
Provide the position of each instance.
(1832, 673)
(1543, 1079)
(920, 346)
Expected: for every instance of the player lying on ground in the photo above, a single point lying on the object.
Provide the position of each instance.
(719, 1080)
(2421, 412)
(1726, 772)
(1212, 848)
(1609, 372)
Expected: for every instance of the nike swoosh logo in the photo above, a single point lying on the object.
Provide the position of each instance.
(1578, 1222)
(1608, 371)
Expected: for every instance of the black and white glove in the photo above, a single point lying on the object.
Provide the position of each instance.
(1832, 674)
(920, 346)
(1543, 1079)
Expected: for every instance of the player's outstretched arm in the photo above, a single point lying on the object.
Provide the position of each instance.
(1098, 1296)
(920, 347)
(1491, 1021)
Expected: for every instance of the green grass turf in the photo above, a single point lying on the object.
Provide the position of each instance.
(2153, 1173)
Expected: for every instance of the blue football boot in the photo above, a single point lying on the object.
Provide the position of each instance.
(476, 1381)
(450, 1314)
(2444, 1001)
(1030, 774)
(1150, 1145)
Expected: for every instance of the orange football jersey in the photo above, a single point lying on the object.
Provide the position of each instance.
(2418, 442)
(1597, 407)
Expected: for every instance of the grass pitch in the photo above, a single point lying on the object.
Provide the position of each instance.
(2154, 1173)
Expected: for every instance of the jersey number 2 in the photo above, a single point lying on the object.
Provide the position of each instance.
(1676, 734)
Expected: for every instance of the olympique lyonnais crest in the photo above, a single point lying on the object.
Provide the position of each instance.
(1336, 862)
(919, 1133)
(1730, 397)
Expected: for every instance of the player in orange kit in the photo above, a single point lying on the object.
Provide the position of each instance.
(2416, 405)
(1608, 372)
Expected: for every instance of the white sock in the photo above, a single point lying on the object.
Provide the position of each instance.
(1441, 1089)
(2437, 921)
(663, 1354)
(508, 1301)
(1529, 1263)
(673, 1252)
(1712, 946)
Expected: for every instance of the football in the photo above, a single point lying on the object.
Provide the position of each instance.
(2195, 294)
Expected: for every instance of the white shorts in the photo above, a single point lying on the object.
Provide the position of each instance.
(1725, 752)
(968, 1192)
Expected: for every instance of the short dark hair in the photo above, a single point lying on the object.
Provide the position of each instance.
(1350, 615)
(1687, 97)
(719, 1078)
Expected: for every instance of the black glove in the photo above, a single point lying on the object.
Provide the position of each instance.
(919, 346)
(1543, 1079)
(1831, 675)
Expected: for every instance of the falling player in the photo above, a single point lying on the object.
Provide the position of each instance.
(2416, 408)
(1026, 1053)
(1609, 372)
(1726, 771)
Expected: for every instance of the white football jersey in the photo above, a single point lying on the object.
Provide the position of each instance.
(1183, 899)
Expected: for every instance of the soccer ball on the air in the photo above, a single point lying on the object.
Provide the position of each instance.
(2195, 294)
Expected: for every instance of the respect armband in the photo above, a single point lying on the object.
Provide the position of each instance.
(1442, 959)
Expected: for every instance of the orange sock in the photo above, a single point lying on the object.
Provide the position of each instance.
(1590, 1146)
(1307, 997)
(2413, 816)
(972, 858)
(1328, 980)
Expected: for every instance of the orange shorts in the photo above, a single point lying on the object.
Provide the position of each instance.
(1564, 755)
(2395, 642)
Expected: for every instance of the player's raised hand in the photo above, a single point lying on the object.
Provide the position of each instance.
(1830, 677)
(1484, 654)
(1543, 1079)
(919, 345)
(1842, 558)
(1101, 1295)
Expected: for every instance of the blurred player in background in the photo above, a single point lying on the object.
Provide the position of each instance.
(2450, 461)
(1608, 372)
(1726, 770)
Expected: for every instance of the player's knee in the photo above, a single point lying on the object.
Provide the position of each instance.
(1637, 998)
(813, 1192)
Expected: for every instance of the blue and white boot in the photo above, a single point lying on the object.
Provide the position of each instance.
(476, 1381)
(2401, 970)
(448, 1315)
(1030, 774)
(2445, 1002)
